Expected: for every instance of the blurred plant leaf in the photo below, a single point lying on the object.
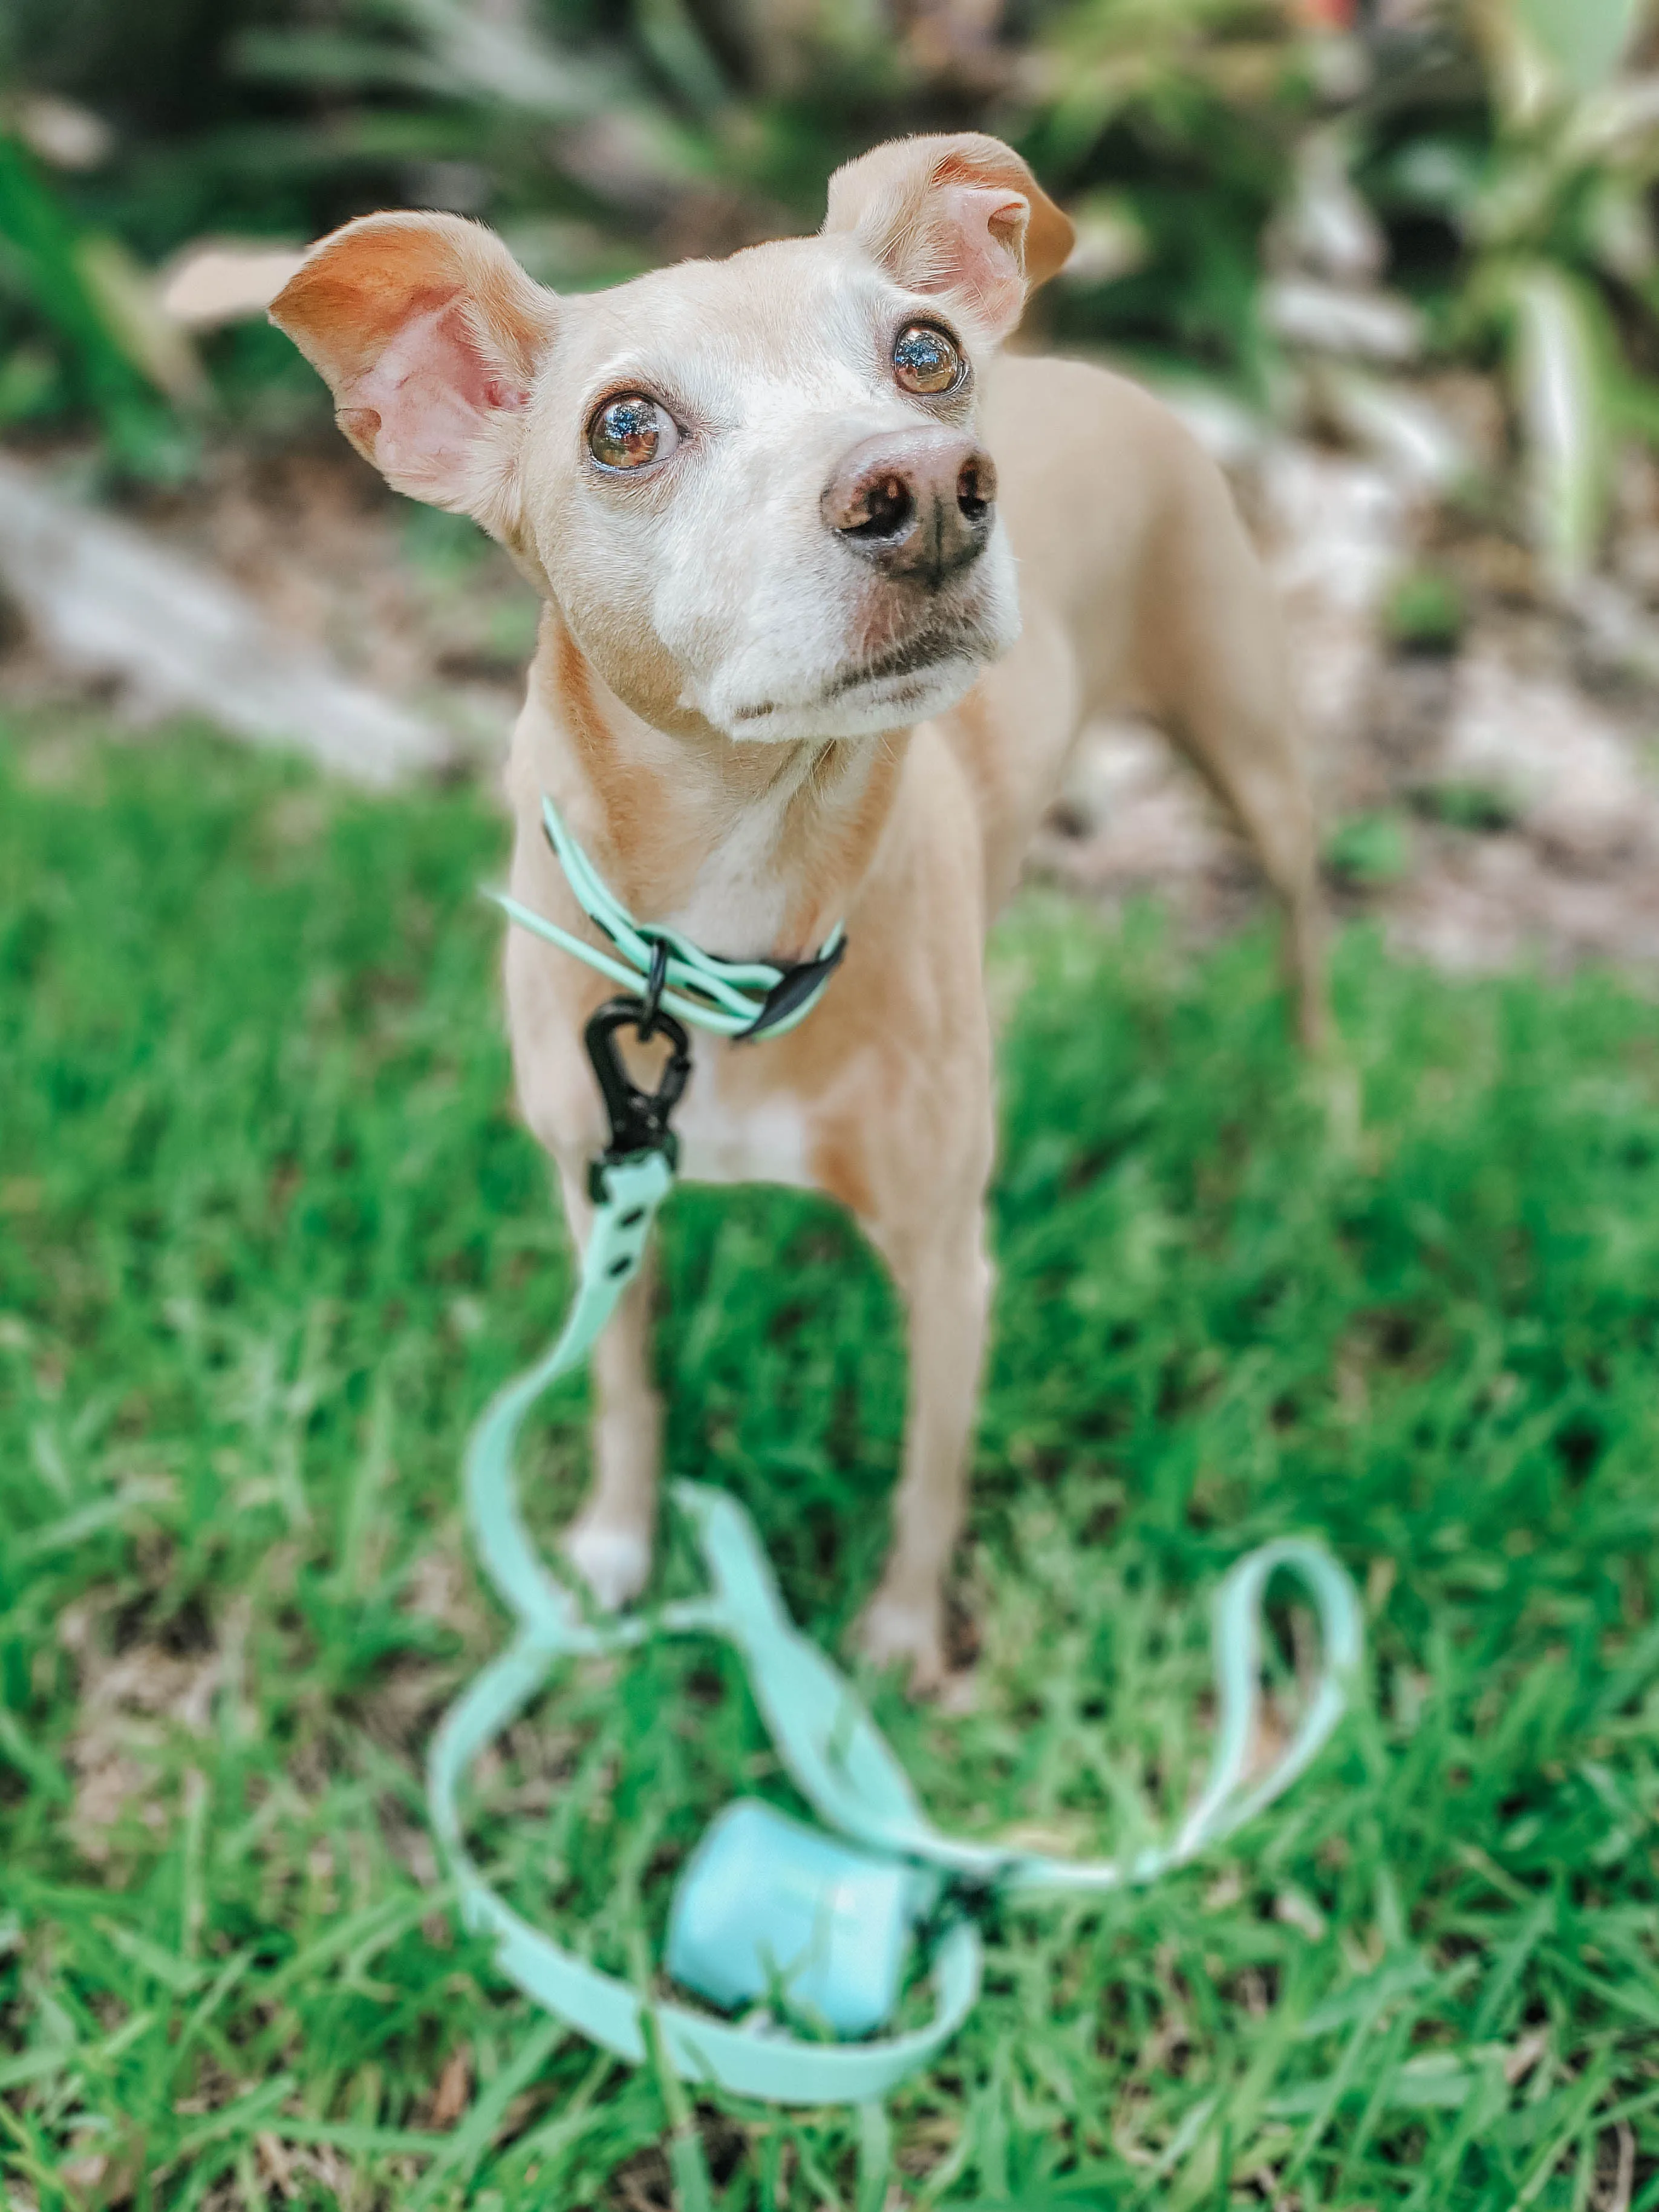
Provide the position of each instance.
(447, 51)
(1583, 41)
(128, 301)
(1370, 851)
(499, 58)
(672, 41)
(1620, 121)
(1342, 319)
(1425, 611)
(282, 54)
(1399, 424)
(212, 281)
(1618, 230)
(1563, 413)
(613, 137)
(1111, 240)
(1439, 173)
(1327, 226)
(62, 133)
(57, 266)
(29, 377)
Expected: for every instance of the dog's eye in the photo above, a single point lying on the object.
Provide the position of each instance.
(925, 360)
(630, 432)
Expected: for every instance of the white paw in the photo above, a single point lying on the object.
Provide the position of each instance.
(614, 1563)
(894, 1631)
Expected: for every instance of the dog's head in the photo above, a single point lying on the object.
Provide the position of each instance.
(753, 487)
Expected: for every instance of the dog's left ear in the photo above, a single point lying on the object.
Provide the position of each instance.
(960, 216)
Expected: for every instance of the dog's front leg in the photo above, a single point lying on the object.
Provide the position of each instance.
(610, 1540)
(945, 1281)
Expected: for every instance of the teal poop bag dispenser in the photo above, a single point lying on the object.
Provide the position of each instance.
(771, 1912)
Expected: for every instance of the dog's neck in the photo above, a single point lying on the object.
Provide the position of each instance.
(752, 851)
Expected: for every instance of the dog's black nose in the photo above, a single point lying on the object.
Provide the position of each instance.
(919, 503)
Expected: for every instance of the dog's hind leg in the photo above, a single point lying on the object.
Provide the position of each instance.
(1214, 665)
(1253, 766)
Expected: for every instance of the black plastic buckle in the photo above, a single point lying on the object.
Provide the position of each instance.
(639, 1119)
(793, 988)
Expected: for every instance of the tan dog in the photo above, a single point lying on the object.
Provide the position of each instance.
(830, 589)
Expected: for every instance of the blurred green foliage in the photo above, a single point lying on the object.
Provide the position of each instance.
(1506, 148)
(1368, 852)
(1425, 612)
(1546, 193)
(601, 136)
(45, 266)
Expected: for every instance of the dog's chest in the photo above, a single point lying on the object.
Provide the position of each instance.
(725, 1137)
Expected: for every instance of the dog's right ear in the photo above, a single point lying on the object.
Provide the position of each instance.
(960, 215)
(429, 335)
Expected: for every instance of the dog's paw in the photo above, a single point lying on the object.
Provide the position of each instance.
(894, 1631)
(614, 1563)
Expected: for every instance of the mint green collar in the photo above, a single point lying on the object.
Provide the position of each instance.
(733, 998)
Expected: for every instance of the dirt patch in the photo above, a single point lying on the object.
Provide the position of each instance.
(134, 1700)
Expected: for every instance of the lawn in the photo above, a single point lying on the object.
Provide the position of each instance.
(270, 1234)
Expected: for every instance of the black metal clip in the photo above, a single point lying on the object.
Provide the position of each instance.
(639, 1119)
(651, 1004)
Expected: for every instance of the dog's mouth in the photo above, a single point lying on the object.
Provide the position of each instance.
(913, 657)
(928, 654)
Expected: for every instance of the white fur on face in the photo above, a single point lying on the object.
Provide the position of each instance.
(719, 562)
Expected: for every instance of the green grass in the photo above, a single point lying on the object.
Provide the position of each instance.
(270, 1236)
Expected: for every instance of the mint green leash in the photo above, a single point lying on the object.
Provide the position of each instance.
(835, 1753)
